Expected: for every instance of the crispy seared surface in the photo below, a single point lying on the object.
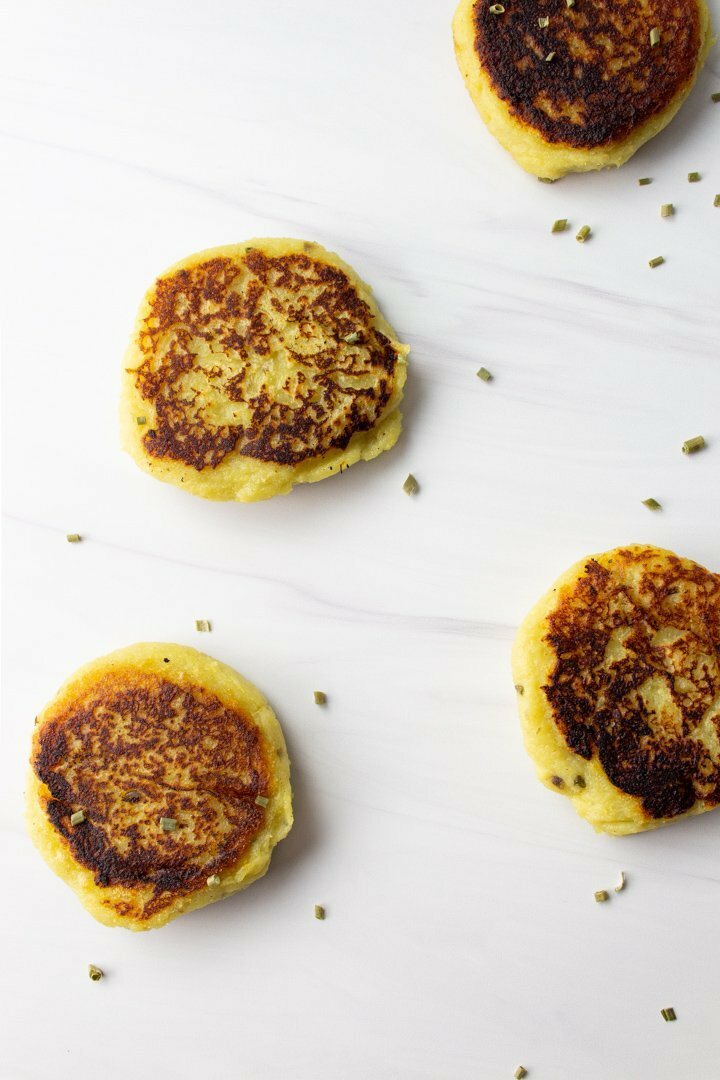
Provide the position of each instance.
(605, 78)
(620, 669)
(134, 742)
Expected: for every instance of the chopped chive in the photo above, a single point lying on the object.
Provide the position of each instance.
(654, 36)
(668, 1014)
(352, 339)
(652, 504)
(261, 800)
(521, 1071)
(657, 261)
(601, 896)
(214, 879)
(693, 177)
(621, 883)
(550, 56)
(319, 911)
(484, 374)
(73, 538)
(77, 818)
(140, 420)
(320, 697)
(497, 9)
(579, 781)
(547, 179)
(716, 200)
(203, 626)
(715, 96)
(95, 973)
(667, 209)
(644, 181)
(543, 21)
(411, 485)
(570, 3)
(168, 824)
(560, 225)
(520, 689)
(583, 234)
(690, 446)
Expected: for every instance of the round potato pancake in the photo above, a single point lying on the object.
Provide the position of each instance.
(569, 89)
(159, 783)
(259, 366)
(617, 671)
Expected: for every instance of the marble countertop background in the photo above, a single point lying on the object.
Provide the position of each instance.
(462, 937)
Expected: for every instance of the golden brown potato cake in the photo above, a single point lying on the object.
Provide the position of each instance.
(258, 366)
(617, 670)
(569, 89)
(159, 783)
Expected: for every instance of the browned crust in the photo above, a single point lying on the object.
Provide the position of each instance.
(597, 706)
(328, 395)
(136, 748)
(605, 79)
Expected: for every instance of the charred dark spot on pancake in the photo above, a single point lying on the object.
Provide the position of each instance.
(604, 80)
(179, 752)
(248, 356)
(637, 678)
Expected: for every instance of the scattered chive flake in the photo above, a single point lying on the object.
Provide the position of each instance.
(690, 446)
(520, 1072)
(543, 21)
(716, 200)
(560, 225)
(261, 800)
(652, 504)
(667, 210)
(484, 374)
(411, 485)
(668, 1014)
(168, 824)
(520, 689)
(319, 911)
(95, 973)
(657, 261)
(693, 177)
(202, 625)
(320, 697)
(654, 36)
(140, 420)
(214, 879)
(601, 896)
(547, 179)
(583, 234)
(497, 9)
(352, 339)
(550, 56)
(77, 818)
(570, 3)
(621, 884)
(579, 781)
(715, 96)
(73, 538)
(644, 180)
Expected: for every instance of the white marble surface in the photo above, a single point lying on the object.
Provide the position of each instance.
(462, 937)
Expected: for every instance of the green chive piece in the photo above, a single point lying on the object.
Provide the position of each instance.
(716, 200)
(484, 374)
(168, 824)
(140, 420)
(214, 879)
(319, 911)
(657, 261)
(543, 21)
(320, 697)
(644, 180)
(73, 538)
(715, 96)
(77, 818)
(601, 896)
(579, 781)
(668, 1014)
(261, 800)
(519, 689)
(654, 36)
(652, 504)
(550, 56)
(570, 3)
(691, 446)
(411, 486)
(621, 883)
(520, 1072)
(667, 209)
(203, 626)
(547, 179)
(95, 973)
(352, 339)
(497, 9)
(560, 225)
(583, 234)
(693, 177)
